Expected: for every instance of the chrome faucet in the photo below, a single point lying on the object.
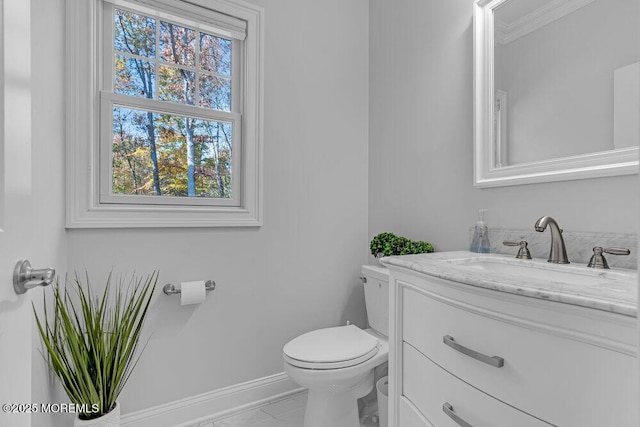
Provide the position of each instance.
(558, 252)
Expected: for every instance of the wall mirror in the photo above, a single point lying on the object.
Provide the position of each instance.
(557, 90)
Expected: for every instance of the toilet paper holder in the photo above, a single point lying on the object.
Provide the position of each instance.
(170, 289)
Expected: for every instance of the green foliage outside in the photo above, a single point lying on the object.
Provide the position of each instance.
(156, 153)
(133, 168)
(387, 244)
(90, 344)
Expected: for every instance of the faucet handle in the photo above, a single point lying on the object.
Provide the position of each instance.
(598, 260)
(616, 251)
(523, 252)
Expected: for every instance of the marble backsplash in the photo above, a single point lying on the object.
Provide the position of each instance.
(579, 245)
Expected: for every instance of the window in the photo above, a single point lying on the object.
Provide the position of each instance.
(167, 129)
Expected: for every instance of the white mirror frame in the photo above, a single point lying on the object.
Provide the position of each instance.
(485, 174)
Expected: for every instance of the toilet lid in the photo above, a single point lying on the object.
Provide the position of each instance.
(331, 348)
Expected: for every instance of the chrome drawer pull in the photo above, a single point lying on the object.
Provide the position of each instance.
(448, 409)
(495, 361)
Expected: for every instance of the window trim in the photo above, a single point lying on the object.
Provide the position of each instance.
(83, 83)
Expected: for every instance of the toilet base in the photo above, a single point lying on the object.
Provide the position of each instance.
(336, 408)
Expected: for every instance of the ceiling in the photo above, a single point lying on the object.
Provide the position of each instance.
(510, 12)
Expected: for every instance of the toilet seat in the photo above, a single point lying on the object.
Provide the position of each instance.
(331, 348)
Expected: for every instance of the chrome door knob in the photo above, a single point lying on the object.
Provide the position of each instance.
(25, 277)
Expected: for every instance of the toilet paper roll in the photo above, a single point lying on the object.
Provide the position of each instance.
(192, 292)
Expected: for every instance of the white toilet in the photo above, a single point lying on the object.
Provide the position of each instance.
(337, 364)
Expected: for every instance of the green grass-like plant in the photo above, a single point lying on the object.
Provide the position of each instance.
(91, 343)
(387, 244)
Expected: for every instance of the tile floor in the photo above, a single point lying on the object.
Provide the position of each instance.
(287, 412)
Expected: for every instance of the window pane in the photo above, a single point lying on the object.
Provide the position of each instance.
(215, 92)
(134, 77)
(215, 54)
(177, 85)
(168, 155)
(133, 140)
(177, 44)
(135, 34)
(213, 150)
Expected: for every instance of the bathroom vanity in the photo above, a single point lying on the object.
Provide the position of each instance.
(489, 340)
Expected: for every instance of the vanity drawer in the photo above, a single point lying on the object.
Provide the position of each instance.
(562, 381)
(430, 387)
(410, 416)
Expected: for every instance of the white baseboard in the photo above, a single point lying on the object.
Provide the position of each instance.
(213, 404)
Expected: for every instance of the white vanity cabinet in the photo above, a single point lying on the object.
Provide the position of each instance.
(463, 355)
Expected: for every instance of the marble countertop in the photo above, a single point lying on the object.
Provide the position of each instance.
(613, 290)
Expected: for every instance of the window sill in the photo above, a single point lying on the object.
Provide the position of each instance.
(138, 216)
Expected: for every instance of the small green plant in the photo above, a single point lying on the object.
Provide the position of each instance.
(387, 244)
(91, 344)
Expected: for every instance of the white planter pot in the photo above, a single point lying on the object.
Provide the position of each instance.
(111, 419)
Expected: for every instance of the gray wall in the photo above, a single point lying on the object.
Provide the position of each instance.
(421, 141)
(298, 272)
(47, 139)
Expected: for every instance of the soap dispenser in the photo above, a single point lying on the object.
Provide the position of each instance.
(480, 242)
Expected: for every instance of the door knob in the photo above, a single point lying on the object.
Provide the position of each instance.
(25, 277)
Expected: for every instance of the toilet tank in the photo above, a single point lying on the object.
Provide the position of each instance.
(376, 296)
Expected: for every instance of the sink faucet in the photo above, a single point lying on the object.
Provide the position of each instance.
(558, 252)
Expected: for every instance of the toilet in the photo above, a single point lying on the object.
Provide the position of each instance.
(337, 364)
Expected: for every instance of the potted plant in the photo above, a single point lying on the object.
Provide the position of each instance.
(387, 244)
(90, 344)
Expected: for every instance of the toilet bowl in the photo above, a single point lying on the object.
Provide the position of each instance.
(337, 364)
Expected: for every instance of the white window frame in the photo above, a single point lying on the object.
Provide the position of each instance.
(89, 202)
